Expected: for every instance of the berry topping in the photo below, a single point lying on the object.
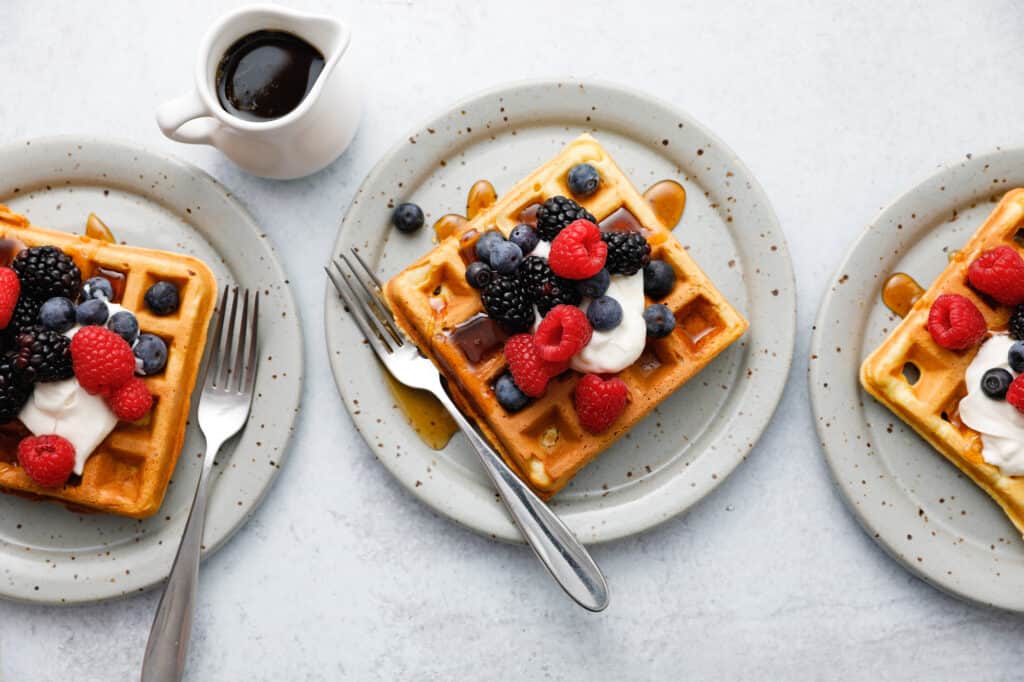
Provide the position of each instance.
(995, 382)
(506, 303)
(407, 217)
(92, 311)
(46, 271)
(557, 213)
(97, 287)
(25, 315)
(162, 298)
(544, 288)
(578, 252)
(102, 360)
(131, 401)
(659, 320)
(505, 257)
(562, 333)
(627, 252)
(1015, 394)
(479, 274)
(1015, 357)
(58, 314)
(508, 394)
(999, 272)
(955, 322)
(10, 288)
(583, 179)
(596, 285)
(1016, 324)
(124, 324)
(599, 402)
(42, 355)
(525, 237)
(529, 371)
(13, 391)
(604, 313)
(151, 352)
(48, 460)
(659, 278)
(485, 242)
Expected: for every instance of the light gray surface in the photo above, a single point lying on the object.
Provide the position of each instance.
(836, 111)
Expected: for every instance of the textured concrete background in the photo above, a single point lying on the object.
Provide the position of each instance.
(342, 574)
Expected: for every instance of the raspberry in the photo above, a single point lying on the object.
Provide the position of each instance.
(529, 371)
(599, 402)
(10, 289)
(131, 401)
(562, 333)
(1015, 394)
(955, 322)
(48, 460)
(578, 252)
(999, 272)
(102, 360)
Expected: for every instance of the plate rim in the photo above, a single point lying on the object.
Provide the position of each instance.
(787, 339)
(877, 532)
(138, 581)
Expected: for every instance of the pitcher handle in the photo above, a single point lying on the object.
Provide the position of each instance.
(172, 116)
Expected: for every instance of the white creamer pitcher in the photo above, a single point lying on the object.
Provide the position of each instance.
(302, 141)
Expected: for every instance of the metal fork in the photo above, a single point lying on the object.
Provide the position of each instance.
(557, 548)
(223, 409)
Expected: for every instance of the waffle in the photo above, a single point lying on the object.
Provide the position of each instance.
(930, 404)
(545, 442)
(129, 471)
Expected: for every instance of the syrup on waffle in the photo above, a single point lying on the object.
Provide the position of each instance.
(129, 471)
(545, 442)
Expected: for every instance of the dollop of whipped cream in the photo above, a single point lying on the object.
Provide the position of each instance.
(65, 409)
(612, 351)
(1000, 424)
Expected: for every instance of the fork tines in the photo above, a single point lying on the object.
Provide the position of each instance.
(365, 303)
(232, 364)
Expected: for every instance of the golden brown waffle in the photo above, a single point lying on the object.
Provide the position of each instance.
(129, 471)
(545, 441)
(923, 383)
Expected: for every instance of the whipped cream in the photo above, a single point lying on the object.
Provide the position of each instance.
(65, 409)
(1000, 424)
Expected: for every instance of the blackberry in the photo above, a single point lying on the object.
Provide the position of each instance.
(627, 252)
(1017, 323)
(13, 393)
(42, 355)
(557, 292)
(46, 271)
(506, 303)
(556, 213)
(543, 287)
(25, 315)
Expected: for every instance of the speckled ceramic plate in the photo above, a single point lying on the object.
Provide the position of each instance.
(48, 554)
(915, 504)
(696, 437)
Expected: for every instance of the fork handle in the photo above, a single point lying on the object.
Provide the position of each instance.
(167, 647)
(568, 561)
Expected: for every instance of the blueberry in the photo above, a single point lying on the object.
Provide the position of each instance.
(508, 394)
(124, 324)
(604, 313)
(659, 278)
(525, 237)
(58, 314)
(583, 180)
(479, 274)
(162, 298)
(97, 287)
(995, 382)
(505, 257)
(485, 242)
(1016, 357)
(595, 286)
(659, 320)
(152, 351)
(407, 217)
(93, 311)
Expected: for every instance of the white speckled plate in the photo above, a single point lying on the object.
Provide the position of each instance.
(697, 436)
(915, 504)
(51, 555)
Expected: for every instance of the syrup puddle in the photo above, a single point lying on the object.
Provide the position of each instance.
(424, 412)
(900, 292)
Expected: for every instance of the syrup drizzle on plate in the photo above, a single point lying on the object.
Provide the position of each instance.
(900, 292)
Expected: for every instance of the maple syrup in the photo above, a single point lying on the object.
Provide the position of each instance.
(622, 219)
(478, 338)
(424, 412)
(668, 199)
(481, 197)
(116, 279)
(528, 216)
(900, 292)
(97, 229)
(9, 248)
(449, 224)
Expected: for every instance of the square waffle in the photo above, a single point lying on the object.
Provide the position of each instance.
(928, 399)
(129, 471)
(544, 441)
